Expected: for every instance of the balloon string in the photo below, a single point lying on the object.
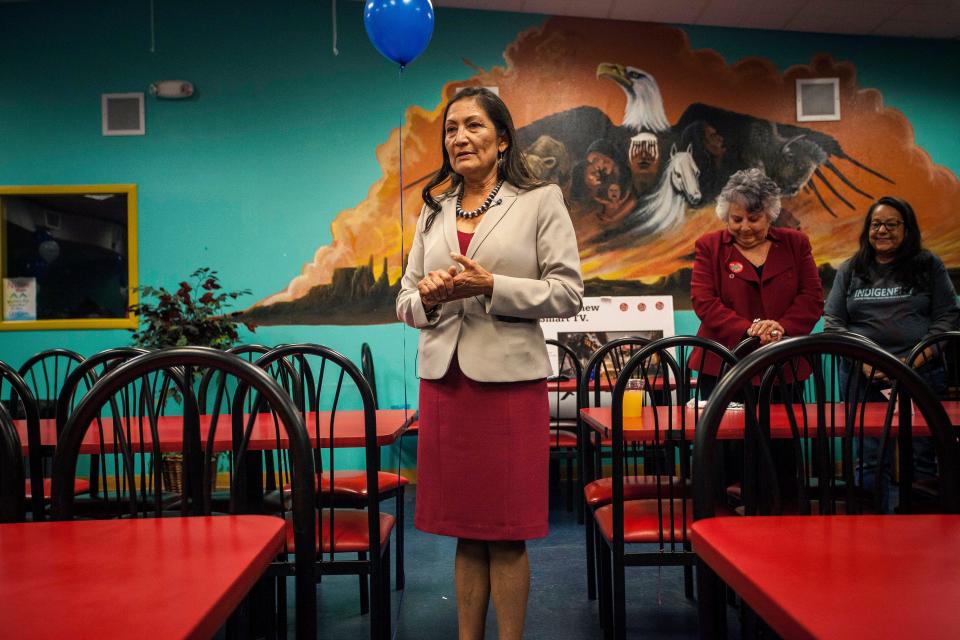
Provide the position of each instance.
(153, 29)
(403, 327)
(406, 404)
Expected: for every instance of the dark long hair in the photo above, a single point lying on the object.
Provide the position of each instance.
(910, 263)
(513, 168)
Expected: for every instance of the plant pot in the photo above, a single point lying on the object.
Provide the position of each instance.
(171, 471)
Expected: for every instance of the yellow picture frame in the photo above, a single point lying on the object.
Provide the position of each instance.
(128, 322)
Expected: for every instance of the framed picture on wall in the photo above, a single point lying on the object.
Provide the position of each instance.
(68, 256)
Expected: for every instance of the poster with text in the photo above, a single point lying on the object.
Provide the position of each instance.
(603, 319)
(19, 298)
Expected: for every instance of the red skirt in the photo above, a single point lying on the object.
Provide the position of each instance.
(482, 458)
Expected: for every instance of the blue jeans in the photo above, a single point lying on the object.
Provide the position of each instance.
(924, 458)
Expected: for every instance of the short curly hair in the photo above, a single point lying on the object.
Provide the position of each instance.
(754, 190)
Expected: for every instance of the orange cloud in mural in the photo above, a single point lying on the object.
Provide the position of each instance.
(641, 131)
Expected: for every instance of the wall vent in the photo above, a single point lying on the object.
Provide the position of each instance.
(818, 99)
(122, 114)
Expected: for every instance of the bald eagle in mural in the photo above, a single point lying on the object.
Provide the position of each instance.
(638, 178)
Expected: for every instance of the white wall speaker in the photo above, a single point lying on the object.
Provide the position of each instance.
(122, 114)
(818, 99)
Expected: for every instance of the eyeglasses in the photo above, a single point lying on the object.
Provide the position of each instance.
(890, 225)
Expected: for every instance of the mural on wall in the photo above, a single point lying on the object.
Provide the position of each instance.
(641, 132)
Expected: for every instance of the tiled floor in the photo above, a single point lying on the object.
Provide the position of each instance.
(558, 607)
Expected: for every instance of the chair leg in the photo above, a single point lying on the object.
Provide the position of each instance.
(711, 608)
(605, 595)
(688, 582)
(590, 544)
(400, 578)
(580, 501)
(281, 587)
(364, 588)
(619, 597)
(386, 618)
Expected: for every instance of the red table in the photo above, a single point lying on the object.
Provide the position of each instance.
(348, 431)
(138, 578)
(841, 576)
(640, 429)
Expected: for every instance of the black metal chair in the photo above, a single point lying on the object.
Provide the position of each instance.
(12, 478)
(45, 373)
(369, 371)
(565, 429)
(395, 485)
(662, 520)
(22, 404)
(350, 520)
(125, 402)
(824, 480)
(937, 360)
(214, 397)
(78, 383)
(598, 377)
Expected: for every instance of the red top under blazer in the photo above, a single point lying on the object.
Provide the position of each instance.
(727, 294)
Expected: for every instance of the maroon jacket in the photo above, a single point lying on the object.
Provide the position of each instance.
(727, 294)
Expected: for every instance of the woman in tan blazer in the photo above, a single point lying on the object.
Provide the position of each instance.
(494, 251)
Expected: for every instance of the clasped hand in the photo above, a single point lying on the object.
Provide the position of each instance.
(453, 284)
(767, 330)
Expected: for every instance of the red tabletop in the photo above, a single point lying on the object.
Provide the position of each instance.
(138, 578)
(348, 431)
(841, 576)
(731, 425)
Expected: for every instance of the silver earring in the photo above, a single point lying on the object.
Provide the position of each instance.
(500, 155)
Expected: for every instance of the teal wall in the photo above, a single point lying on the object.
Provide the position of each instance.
(247, 176)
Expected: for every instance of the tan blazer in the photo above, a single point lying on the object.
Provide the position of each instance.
(528, 244)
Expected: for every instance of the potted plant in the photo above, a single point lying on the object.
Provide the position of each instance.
(191, 315)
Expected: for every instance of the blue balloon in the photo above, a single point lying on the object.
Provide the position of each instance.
(399, 29)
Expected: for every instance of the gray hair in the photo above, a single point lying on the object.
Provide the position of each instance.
(754, 190)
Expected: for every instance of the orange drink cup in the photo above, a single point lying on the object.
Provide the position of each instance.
(633, 400)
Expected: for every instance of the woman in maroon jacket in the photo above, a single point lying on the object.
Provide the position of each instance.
(751, 279)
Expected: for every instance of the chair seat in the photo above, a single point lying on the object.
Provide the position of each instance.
(413, 429)
(79, 486)
(642, 523)
(354, 483)
(562, 439)
(350, 532)
(600, 492)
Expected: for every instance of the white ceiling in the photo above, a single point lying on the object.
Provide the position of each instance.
(913, 18)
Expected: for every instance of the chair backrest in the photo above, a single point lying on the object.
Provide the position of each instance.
(601, 371)
(215, 400)
(133, 379)
(22, 403)
(339, 392)
(12, 479)
(369, 372)
(45, 373)
(937, 358)
(567, 361)
(84, 375)
(823, 438)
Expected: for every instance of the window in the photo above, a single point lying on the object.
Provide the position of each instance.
(68, 257)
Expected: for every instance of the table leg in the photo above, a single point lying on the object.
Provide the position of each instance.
(711, 607)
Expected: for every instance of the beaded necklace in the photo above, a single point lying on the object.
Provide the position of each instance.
(482, 209)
